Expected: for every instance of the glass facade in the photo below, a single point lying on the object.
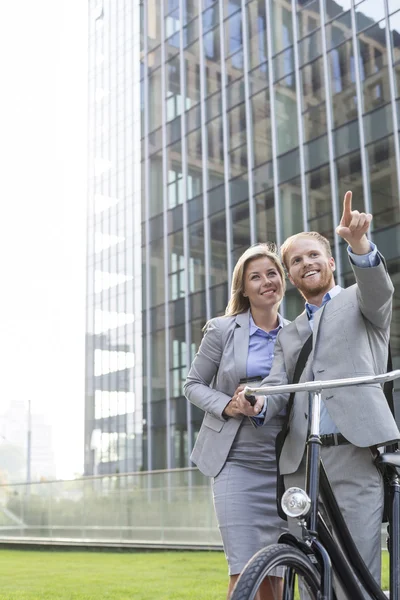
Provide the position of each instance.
(255, 118)
(113, 404)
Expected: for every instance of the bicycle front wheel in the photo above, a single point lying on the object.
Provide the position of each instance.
(288, 570)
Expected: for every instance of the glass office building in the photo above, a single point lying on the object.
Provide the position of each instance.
(255, 118)
(113, 404)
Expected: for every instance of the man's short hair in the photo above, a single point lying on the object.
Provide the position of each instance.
(287, 244)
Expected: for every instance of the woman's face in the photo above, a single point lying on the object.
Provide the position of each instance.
(263, 285)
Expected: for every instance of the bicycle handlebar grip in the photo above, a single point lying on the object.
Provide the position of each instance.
(251, 399)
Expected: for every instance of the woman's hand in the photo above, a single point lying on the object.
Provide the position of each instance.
(247, 409)
(232, 408)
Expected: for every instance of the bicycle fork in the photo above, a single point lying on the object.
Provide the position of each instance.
(312, 488)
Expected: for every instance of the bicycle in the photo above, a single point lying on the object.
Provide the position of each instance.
(309, 563)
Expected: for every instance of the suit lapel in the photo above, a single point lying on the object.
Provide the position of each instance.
(241, 343)
(316, 322)
(304, 331)
(303, 326)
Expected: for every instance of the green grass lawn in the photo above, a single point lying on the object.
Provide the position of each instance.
(45, 575)
(53, 575)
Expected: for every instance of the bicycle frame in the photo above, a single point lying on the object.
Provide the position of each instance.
(316, 533)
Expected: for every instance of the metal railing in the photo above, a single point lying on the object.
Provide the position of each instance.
(153, 509)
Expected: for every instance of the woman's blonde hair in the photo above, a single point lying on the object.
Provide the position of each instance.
(238, 303)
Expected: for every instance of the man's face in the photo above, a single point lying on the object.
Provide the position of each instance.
(310, 269)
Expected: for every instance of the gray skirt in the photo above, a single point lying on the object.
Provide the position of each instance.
(244, 494)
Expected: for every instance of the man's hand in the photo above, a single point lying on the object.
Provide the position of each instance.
(231, 409)
(353, 227)
(245, 408)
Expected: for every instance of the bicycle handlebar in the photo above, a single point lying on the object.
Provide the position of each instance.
(318, 386)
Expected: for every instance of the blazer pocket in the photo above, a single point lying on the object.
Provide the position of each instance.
(213, 423)
(328, 315)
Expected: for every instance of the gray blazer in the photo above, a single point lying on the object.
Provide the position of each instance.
(350, 338)
(219, 364)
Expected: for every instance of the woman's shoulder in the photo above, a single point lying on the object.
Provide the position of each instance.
(222, 323)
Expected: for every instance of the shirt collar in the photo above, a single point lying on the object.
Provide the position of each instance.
(254, 328)
(312, 308)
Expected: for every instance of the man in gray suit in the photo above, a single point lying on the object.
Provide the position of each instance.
(351, 330)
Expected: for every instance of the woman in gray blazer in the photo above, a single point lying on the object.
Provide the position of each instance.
(241, 459)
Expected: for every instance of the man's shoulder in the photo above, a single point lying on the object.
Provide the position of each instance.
(291, 326)
(347, 296)
(351, 289)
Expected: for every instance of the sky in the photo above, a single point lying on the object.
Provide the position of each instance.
(43, 150)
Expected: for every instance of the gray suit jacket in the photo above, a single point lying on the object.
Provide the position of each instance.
(212, 380)
(350, 338)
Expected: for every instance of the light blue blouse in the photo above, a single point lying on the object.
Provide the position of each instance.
(261, 349)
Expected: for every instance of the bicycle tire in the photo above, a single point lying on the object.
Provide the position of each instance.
(271, 558)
